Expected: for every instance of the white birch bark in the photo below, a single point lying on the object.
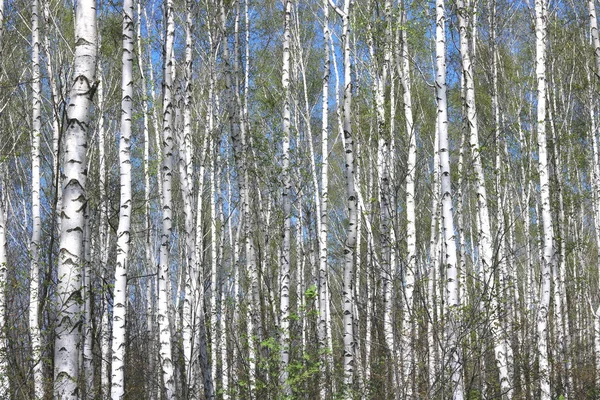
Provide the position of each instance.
(434, 260)
(56, 117)
(148, 234)
(546, 216)
(287, 210)
(166, 361)
(351, 234)
(323, 327)
(34, 289)
(104, 243)
(411, 235)
(449, 253)
(126, 205)
(66, 368)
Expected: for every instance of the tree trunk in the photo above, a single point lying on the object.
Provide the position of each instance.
(164, 298)
(66, 357)
(287, 210)
(123, 234)
(34, 290)
(449, 259)
(546, 215)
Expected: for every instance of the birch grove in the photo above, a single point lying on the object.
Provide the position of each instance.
(242, 199)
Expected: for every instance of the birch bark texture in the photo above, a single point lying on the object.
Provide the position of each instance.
(34, 289)
(449, 260)
(546, 212)
(287, 209)
(164, 298)
(125, 208)
(71, 257)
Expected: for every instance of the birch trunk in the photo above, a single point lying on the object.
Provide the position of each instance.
(351, 233)
(66, 371)
(287, 210)
(164, 299)
(104, 244)
(411, 223)
(148, 250)
(126, 204)
(323, 327)
(450, 261)
(34, 290)
(546, 216)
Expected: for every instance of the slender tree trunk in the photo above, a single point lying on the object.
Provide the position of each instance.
(126, 205)
(323, 327)
(410, 268)
(351, 234)
(546, 215)
(34, 290)
(167, 170)
(104, 244)
(66, 357)
(287, 210)
(450, 262)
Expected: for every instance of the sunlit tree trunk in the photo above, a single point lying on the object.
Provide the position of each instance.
(34, 290)
(449, 252)
(165, 351)
(66, 356)
(351, 234)
(123, 234)
(546, 216)
(410, 269)
(323, 327)
(287, 210)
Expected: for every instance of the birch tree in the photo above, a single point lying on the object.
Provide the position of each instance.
(66, 355)
(36, 230)
(546, 213)
(351, 233)
(126, 205)
(449, 253)
(287, 207)
(165, 351)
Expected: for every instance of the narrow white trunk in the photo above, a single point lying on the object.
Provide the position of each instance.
(546, 215)
(287, 210)
(34, 289)
(449, 253)
(351, 234)
(164, 299)
(126, 205)
(104, 243)
(66, 368)
(323, 327)
(411, 221)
